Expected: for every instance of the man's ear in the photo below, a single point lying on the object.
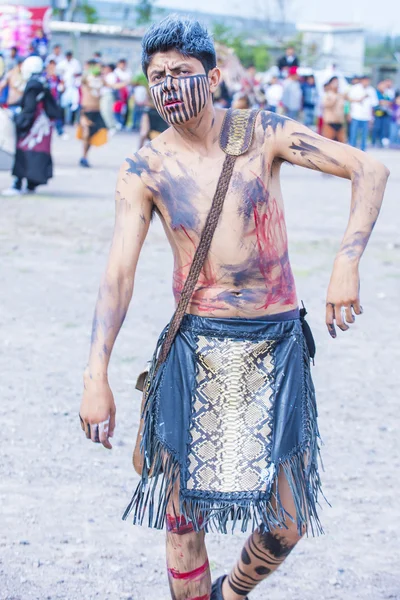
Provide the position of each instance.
(214, 77)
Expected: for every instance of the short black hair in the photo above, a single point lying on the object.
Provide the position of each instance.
(69, 53)
(334, 78)
(186, 36)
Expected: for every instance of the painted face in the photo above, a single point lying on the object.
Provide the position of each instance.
(179, 99)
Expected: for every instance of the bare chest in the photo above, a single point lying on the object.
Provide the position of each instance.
(183, 190)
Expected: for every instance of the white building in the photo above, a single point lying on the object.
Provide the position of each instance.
(325, 44)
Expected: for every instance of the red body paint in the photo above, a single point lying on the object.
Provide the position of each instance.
(207, 279)
(178, 525)
(272, 246)
(270, 260)
(189, 575)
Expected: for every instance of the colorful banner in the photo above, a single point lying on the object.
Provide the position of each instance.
(19, 24)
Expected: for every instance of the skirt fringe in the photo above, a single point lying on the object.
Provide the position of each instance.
(162, 470)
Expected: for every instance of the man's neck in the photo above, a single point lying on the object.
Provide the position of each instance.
(202, 135)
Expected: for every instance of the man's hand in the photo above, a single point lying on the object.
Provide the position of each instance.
(343, 298)
(97, 413)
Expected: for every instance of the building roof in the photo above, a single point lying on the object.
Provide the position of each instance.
(330, 27)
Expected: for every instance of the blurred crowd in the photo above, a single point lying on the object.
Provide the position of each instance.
(101, 98)
(121, 96)
(339, 108)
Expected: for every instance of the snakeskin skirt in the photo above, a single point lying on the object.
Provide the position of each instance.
(231, 409)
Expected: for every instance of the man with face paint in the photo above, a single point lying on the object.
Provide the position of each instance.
(92, 129)
(233, 424)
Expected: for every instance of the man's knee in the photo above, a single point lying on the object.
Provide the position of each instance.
(178, 525)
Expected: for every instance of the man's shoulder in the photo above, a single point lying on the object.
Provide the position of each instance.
(271, 122)
(145, 161)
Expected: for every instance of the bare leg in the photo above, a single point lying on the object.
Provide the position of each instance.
(187, 561)
(86, 147)
(263, 553)
(85, 125)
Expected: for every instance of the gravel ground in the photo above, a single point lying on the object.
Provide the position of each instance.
(61, 533)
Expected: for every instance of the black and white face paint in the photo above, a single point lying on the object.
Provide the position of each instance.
(179, 99)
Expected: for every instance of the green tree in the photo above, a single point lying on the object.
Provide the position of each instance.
(144, 11)
(88, 12)
(262, 58)
(222, 34)
(248, 54)
(77, 8)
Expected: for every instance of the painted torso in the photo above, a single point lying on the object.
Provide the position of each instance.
(247, 272)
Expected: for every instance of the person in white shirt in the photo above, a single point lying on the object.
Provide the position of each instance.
(56, 55)
(123, 74)
(273, 94)
(362, 98)
(107, 96)
(68, 69)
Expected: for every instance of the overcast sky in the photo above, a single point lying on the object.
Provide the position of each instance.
(381, 15)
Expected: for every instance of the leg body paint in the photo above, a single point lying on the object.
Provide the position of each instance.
(262, 554)
(187, 562)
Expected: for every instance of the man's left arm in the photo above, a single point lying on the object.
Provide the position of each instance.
(301, 146)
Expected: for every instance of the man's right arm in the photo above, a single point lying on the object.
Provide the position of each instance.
(132, 219)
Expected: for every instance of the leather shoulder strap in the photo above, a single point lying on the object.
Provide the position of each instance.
(236, 136)
(237, 131)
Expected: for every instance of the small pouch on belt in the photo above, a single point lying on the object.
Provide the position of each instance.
(307, 333)
(141, 380)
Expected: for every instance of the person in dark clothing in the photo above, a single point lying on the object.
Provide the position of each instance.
(310, 96)
(151, 124)
(33, 158)
(288, 60)
(222, 96)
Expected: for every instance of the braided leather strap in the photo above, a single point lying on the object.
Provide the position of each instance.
(235, 139)
(199, 256)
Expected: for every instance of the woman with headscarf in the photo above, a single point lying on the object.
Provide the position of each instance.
(32, 158)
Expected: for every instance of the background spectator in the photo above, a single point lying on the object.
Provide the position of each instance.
(56, 55)
(15, 85)
(310, 97)
(382, 115)
(292, 97)
(273, 94)
(40, 44)
(334, 127)
(56, 88)
(288, 60)
(151, 124)
(68, 69)
(107, 96)
(13, 59)
(140, 96)
(362, 98)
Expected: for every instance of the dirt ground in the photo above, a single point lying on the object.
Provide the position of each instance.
(61, 533)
